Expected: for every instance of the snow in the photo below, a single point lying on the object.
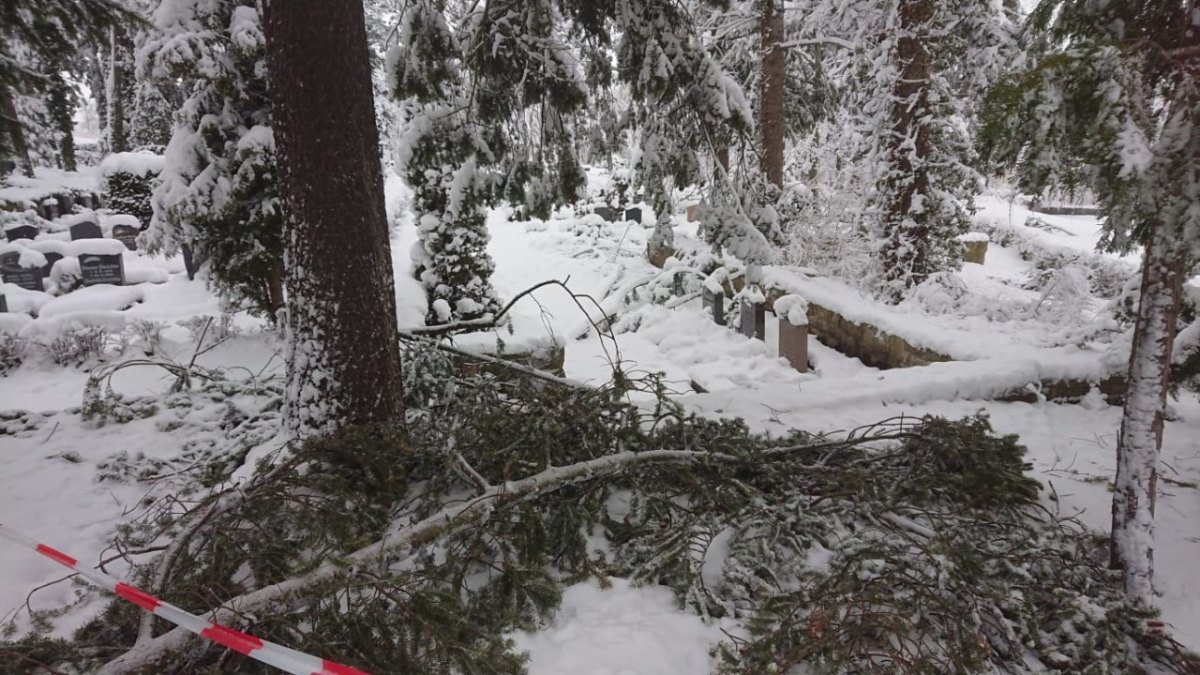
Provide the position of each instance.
(983, 317)
(624, 630)
(137, 163)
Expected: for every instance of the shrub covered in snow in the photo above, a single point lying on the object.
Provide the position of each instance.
(129, 179)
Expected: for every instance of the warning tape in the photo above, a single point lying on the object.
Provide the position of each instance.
(283, 658)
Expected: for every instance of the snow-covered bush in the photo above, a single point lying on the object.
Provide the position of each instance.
(129, 179)
(12, 351)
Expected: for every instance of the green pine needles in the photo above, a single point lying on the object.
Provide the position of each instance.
(912, 546)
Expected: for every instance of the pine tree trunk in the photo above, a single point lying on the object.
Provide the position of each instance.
(774, 74)
(10, 121)
(906, 250)
(118, 133)
(343, 360)
(1140, 440)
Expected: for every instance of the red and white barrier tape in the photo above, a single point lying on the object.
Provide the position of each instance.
(283, 658)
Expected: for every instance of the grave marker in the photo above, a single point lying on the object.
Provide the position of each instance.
(22, 232)
(50, 208)
(86, 230)
(608, 213)
(66, 202)
(3, 304)
(634, 214)
(793, 344)
(126, 234)
(754, 320)
(102, 269)
(29, 278)
(7, 166)
(715, 302)
(51, 258)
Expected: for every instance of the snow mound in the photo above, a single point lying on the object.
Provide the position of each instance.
(624, 630)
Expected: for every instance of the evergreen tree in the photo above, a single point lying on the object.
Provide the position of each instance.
(1111, 101)
(36, 38)
(219, 190)
(343, 359)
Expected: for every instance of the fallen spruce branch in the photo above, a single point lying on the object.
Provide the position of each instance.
(404, 541)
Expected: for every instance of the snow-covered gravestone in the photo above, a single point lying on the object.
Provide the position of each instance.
(23, 269)
(100, 262)
(634, 214)
(608, 213)
(792, 311)
(126, 234)
(21, 232)
(86, 230)
(754, 319)
(975, 246)
(50, 208)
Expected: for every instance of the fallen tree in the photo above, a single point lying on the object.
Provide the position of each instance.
(915, 545)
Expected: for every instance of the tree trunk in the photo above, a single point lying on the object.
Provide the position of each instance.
(906, 252)
(118, 132)
(343, 360)
(10, 121)
(774, 74)
(1140, 441)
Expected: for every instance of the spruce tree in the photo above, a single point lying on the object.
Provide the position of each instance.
(343, 359)
(1110, 100)
(219, 191)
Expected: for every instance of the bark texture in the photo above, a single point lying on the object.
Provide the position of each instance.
(1140, 441)
(774, 74)
(906, 253)
(343, 358)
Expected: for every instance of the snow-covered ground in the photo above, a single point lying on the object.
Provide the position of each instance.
(50, 461)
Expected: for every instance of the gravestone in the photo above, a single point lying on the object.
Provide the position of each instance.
(690, 212)
(715, 303)
(754, 320)
(7, 166)
(51, 258)
(3, 304)
(634, 214)
(126, 234)
(102, 269)
(50, 208)
(86, 230)
(85, 200)
(66, 202)
(975, 251)
(793, 344)
(29, 278)
(22, 232)
(608, 213)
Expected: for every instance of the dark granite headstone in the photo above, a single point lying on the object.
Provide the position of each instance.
(793, 344)
(754, 320)
(606, 212)
(86, 230)
(3, 304)
(715, 303)
(7, 166)
(66, 202)
(85, 201)
(634, 214)
(51, 258)
(102, 269)
(22, 232)
(50, 209)
(126, 234)
(29, 278)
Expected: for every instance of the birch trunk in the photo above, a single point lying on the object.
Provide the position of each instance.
(1140, 441)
